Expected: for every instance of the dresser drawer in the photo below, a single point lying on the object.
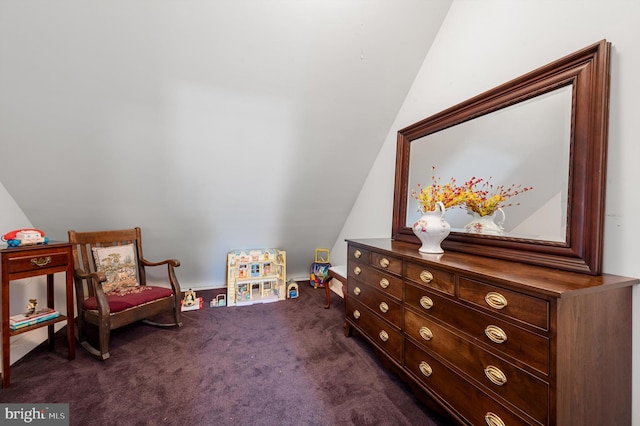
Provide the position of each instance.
(522, 345)
(436, 279)
(382, 281)
(387, 263)
(469, 401)
(377, 301)
(518, 306)
(39, 260)
(380, 332)
(524, 390)
(359, 254)
(355, 269)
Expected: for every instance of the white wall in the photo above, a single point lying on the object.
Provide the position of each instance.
(483, 44)
(212, 125)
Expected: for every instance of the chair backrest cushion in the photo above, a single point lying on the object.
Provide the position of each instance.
(119, 264)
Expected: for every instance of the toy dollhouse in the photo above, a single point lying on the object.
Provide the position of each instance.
(256, 276)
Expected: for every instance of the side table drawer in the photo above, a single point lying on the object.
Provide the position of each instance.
(24, 261)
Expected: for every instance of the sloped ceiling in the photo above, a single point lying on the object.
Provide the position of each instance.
(213, 125)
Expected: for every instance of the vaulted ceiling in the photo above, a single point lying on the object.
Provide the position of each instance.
(213, 125)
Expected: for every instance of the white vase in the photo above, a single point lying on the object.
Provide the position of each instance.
(432, 229)
(487, 225)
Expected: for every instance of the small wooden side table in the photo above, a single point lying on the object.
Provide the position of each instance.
(337, 272)
(30, 261)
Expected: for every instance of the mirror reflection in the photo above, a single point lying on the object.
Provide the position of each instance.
(527, 143)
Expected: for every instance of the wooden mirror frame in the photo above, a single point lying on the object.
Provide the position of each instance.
(587, 70)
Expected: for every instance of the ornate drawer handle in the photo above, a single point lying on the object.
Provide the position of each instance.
(41, 261)
(384, 336)
(425, 369)
(357, 291)
(357, 254)
(425, 333)
(384, 307)
(426, 276)
(496, 375)
(426, 302)
(493, 419)
(495, 334)
(357, 270)
(384, 262)
(356, 314)
(495, 300)
(384, 283)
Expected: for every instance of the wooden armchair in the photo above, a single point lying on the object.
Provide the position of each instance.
(111, 286)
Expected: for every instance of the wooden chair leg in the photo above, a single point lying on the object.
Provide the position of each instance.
(176, 315)
(104, 332)
(327, 291)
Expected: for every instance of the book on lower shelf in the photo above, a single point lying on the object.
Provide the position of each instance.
(27, 319)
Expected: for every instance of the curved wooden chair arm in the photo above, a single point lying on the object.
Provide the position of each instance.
(99, 276)
(171, 262)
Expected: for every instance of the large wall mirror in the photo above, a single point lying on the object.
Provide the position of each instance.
(547, 130)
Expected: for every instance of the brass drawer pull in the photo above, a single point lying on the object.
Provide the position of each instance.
(356, 314)
(384, 262)
(426, 276)
(496, 375)
(495, 300)
(425, 333)
(426, 302)
(384, 307)
(493, 419)
(425, 369)
(357, 291)
(357, 254)
(495, 334)
(41, 261)
(384, 283)
(384, 336)
(357, 270)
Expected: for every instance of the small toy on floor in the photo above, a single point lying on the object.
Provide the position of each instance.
(319, 268)
(220, 300)
(190, 302)
(292, 289)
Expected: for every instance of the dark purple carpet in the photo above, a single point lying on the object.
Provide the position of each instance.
(283, 363)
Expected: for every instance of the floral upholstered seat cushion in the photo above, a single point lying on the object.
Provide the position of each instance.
(126, 298)
(119, 264)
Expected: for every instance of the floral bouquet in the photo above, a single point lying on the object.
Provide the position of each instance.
(477, 195)
(449, 194)
(483, 198)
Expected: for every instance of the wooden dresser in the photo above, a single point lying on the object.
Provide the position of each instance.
(495, 342)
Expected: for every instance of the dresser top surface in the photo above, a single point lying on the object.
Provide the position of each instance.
(549, 281)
